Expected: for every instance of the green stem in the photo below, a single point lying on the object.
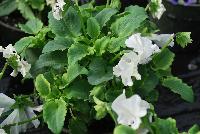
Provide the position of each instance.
(108, 3)
(111, 113)
(147, 7)
(3, 70)
(116, 57)
(23, 122)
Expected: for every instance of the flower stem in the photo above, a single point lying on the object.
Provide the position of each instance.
(116, 57)
(147, 7)
(3, 70)
(108, 3)
(23, 122)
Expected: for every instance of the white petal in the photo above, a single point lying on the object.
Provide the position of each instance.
(30, 114)
(1, 111)
(14, 73)
(1, 49)
(142, 131)
(162, 39)
(136, 123)
(57, 13)
(38, 108)
(12, 118)
(24, 67)
(6, 101)
(2, 131)
(159, 12)
(9, 51)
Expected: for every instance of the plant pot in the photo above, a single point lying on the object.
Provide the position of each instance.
(178, 18)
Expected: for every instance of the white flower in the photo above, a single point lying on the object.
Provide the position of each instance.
(8, 52)
(1, 111)
(127, 67)
(50, 2)
(24, 67)
(161, 9)
(142, 131)
(2, 131)
(143, 46)
(18, 115)
(130, 110)
(162, 39)
(57, 9)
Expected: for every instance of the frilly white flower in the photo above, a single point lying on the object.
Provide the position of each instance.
(8, 52)
(162, 39)
(127, 67)
(18, 115)
(161, 9)
(143, 46)
(57, 9)
(130, 110)
(2, 131)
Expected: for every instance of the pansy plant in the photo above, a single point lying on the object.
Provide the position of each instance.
(92, 61)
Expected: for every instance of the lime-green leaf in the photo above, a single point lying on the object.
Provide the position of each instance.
(177, 86)
(100, 107)
(99, 72)
(183, 38)
(115, 4)
(23, 43)
(37, 4)
(126, 25)
(77, 52)
(72, 72)
(165, 126)
(105, 15)
(59, 43)
(54, 113)
(101, 44)
(194, 129)
(42, 85)
(79, 90)
(32, 26)
(93, 28)
(7, 7)
(163, 60)
(133, 9)
(77, 126)
(122, 129)
(69, 25)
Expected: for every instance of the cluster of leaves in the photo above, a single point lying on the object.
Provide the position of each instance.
(28, 8)
(72, 62)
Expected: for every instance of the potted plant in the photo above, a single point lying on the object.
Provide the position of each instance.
(93, 63)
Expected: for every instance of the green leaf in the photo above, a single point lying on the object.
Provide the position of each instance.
(115, 4)
(25, 10)
(194, 129)
(99, 91)
(59, 43)
(99, 72)
(104, 16)
(93, 28)
(77, 52)
(54, 113)
(69, 25)
(163, 60)
(101, 44)
(77, 126)
(100, 107)
(177, 86)
(126, 25)
(42, 85)
(183, 38)
(23, 43)
(37, 4)
(122, 129)
(72, 72)
(32, 26)
(79, 90)
(115, 44)
(49, 60)
(133, 9)
(7, 7)
(165, 126)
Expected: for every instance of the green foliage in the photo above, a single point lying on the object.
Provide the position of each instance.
(162, 126)
(115, 44)
(78, 90)
(7, 7)
(122, 129)
(104, 16)
(163, 60)
(177, 86)
(194, 130)
(59, 43)
(99, 72)
(42, 85)
(93, 28)
(77, 52)
(101, 108)
(101, 45)
(73, 71)
(126, 25)
(183, 38)
(25, 10)
(77, 126)
(23, 43)
(54, 113)
(32, 26)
